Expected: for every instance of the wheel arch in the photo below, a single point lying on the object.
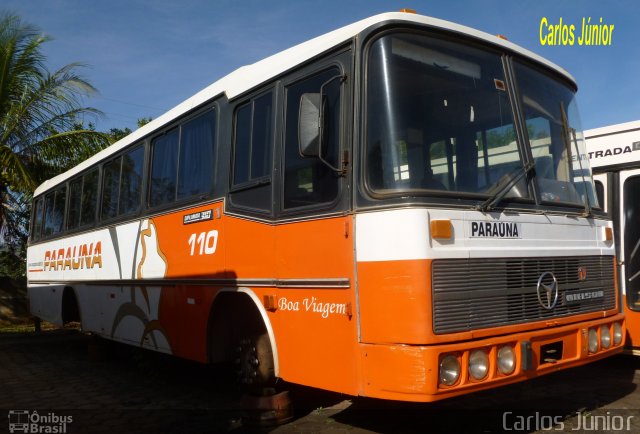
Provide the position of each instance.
(220, 320)
(70, 307)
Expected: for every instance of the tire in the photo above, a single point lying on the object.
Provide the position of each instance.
(254, 363)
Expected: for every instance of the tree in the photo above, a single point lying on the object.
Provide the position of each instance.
(41, 121)
(116, 134)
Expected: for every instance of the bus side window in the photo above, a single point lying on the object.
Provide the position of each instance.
(164, 168)
(251, 187)
(89, 199)
(600, 195)
(196, 171)
(58, 210)
(49, 201)
(110, 188)
(75, 196)
(253, 140)
(37, 220)
(54, 211)
(131, 181)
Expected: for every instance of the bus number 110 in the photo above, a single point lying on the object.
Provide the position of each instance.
(206, 241)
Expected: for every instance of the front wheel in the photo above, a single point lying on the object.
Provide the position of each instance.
(254, 362)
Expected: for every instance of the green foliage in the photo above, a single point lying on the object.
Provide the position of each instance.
(116, 134)
(42, 132)
(143, 121)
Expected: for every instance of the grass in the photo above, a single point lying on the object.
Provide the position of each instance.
(29, 327)
(17, 328)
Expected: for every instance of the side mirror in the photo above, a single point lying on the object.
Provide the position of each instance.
(309, 124)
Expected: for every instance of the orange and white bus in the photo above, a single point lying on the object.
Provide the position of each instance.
(388, 210)
(614, 153)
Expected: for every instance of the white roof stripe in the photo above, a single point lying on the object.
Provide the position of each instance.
(612, 129)
(247, 77)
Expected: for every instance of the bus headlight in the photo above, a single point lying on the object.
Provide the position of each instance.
(506, 360)
(478, 364)
(617, 333)
(593, 341)
(605, 337)
(449, 370)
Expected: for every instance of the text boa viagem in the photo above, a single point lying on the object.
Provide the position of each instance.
(592, 32)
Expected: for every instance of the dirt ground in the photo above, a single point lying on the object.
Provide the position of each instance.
(13, 303)
(63, 375)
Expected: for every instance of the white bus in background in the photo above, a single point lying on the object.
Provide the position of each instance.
(614, 153)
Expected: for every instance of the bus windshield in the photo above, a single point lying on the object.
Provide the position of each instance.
(440, 122)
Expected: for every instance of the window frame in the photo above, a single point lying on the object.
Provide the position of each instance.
(363, 198)
(215, 155)
(427, 195)
(121, 155)
(561, 206)
(34, 219)
(261, 180)
(43, 197)
(98, 169)
(339, 62)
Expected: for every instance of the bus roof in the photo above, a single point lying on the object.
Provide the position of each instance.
(250, 76)
(612, 129)
(614, 145)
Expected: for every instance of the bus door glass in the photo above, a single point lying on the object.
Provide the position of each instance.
(630, 219)
(600, 183)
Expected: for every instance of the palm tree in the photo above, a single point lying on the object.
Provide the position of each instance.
(41, 116)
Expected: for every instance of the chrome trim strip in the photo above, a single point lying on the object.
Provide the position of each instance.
(327, 283)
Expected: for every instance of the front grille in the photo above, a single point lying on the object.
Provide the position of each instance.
(470, 294)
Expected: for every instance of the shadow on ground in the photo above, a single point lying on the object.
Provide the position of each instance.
(110, 387)
(557, 397)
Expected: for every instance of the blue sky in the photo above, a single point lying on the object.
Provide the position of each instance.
(146, 56)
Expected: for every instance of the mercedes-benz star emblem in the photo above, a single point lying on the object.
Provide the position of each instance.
(547, 290)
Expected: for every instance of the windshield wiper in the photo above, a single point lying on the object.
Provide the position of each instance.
(568, 134)
(490, 203)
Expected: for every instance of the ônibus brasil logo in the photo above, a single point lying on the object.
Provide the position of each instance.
(26, 421)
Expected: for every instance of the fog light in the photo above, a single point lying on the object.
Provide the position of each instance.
(478, 364)
(605, 337)
(449, 370)
(617, 333)
(506, 360)
(593, 341)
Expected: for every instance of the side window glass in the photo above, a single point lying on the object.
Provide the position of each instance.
(131, 181)
(242, 145)
(75, 196)
(54, 211)
(600, 194)
(37, 220)
(58, 210)
(197, 156)
(261, 137)
(252, 155)
(253, 140)
(89, 198)
(49, 201)
(110, 188)
(164, 166)
(308, 181)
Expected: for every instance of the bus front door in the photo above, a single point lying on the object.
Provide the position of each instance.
(630, 253)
